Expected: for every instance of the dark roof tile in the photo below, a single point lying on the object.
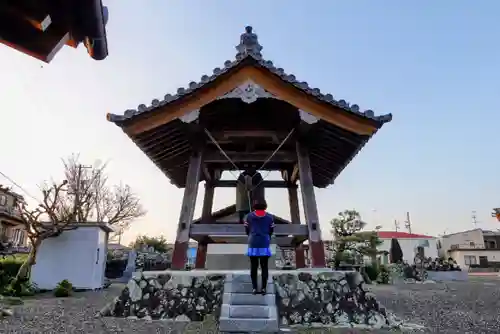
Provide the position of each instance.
(249, 47)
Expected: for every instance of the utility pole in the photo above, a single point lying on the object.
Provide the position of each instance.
(396, 225)
(474, 218)
(76, 191)
(408, 222)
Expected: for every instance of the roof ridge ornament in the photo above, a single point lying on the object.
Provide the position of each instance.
(249, 45)
(248, 92)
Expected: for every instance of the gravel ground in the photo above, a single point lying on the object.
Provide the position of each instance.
(461, 307)
(45, 314)
(454, 307)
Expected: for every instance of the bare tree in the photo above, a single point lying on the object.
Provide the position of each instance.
(43, 222)
(91, 198)
(84, 196)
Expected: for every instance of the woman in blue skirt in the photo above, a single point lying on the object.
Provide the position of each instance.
(259, 226)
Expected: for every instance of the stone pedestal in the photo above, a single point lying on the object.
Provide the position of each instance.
(296, 298)
(447, 276)
(232, 257)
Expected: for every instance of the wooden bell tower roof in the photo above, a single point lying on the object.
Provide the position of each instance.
(250, 105)
(40, 28)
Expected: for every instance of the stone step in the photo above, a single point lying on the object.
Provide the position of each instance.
(250, 311)
(237, 287)
(244, 278)
(244, 325)
(249, 299)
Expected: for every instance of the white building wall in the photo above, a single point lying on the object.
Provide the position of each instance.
(75, 255)
(409, 246)
(460, 255)
(467, 239)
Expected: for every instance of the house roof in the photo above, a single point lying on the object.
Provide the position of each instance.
(248, 52)
(401, 235)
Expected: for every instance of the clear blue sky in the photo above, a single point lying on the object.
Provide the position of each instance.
(434, 64)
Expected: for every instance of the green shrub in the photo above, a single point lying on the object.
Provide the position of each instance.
(9, 268)
(372, 272)
(20, 289)
(63, 289)
(384, 276)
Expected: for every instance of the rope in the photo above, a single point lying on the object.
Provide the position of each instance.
(260, 168)
(271, 156)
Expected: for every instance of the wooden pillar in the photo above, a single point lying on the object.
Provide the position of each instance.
(316, 247)
(208, 202)
(201, 255)
(293, 199)
(179, 257)
(206, 213)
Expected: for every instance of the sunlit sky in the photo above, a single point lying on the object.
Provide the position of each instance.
(435, 65)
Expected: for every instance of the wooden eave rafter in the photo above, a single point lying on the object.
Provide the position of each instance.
(235, 77)
(41, 28)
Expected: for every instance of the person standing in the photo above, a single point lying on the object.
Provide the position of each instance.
(259, 226)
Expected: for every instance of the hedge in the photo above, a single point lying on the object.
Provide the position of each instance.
(8, 270)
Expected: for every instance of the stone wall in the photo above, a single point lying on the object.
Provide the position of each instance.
(334, 298)
(161, 296)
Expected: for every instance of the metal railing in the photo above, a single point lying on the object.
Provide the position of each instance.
(11, 211)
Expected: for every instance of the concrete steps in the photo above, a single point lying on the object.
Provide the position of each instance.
(243, 312)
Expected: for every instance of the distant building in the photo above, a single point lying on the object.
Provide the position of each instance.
(409, 243)
(473, 247)
(11, 225)
(191, 253)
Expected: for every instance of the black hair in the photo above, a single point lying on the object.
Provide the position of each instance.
(260, 205)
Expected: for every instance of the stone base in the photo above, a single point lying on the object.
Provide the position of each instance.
(313, 297)
(179, 296)
(443, 276)
(328, 299)
(232, 257)
(232, 262)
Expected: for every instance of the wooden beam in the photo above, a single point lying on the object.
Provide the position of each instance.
(38, 18)
(40, 45)
(259, 156)
(235, 230)
(266, 184)
(310, 208)
(208, 202)
(293, 200)
(279, 241)
(179, 257)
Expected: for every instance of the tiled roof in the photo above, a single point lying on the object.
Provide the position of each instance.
(401, 235)
(249, 47)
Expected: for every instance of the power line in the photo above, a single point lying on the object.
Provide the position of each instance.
(18, 186)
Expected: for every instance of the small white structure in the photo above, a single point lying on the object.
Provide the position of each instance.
(409, 243)
(78, 256)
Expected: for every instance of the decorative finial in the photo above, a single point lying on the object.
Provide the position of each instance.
(249, 44)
